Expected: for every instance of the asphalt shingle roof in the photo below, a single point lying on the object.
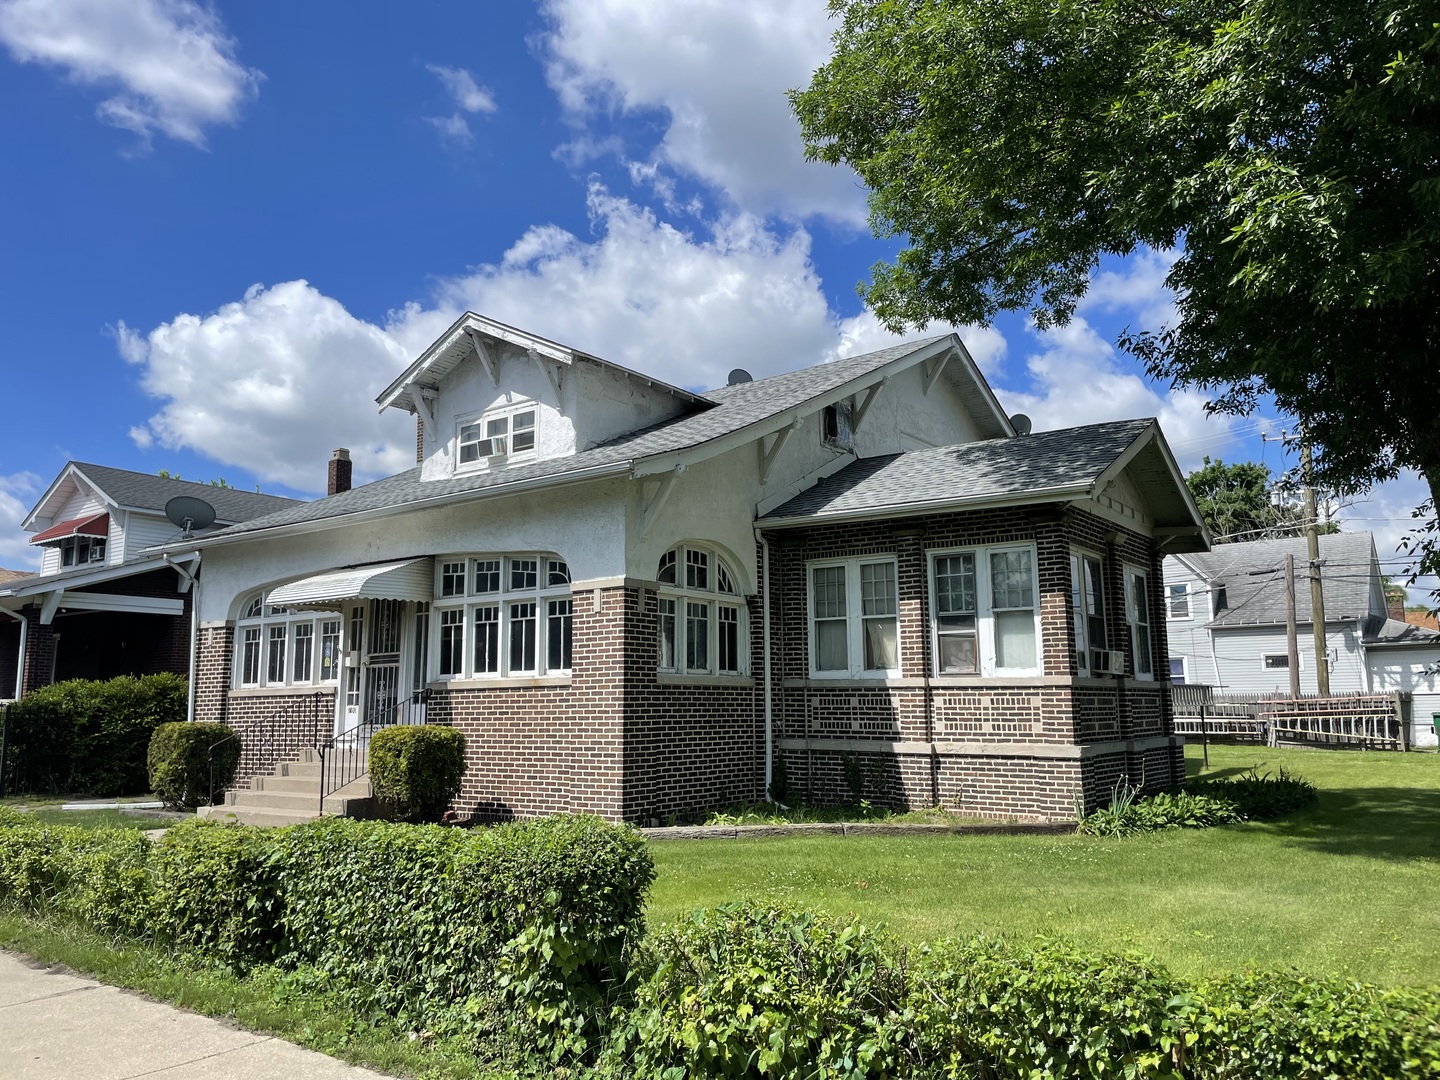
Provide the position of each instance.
(993, 468)
(1395, 632)
(1255, 595)
(149, 492)
(736, 407)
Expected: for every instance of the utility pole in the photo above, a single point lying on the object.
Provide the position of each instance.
(1293, 645)
(1317, 592)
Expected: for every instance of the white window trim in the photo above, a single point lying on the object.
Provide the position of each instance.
(1078, 581)
(682, 594)
(984, 613)
(1129, 570)
(1299, 656)
(468, 601)
(289, 618)
(498, 460)
(1184, 668)
(854, 619)
(1190, 595)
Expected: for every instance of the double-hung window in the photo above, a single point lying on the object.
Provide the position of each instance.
(1177, 601)
(278, 647)
(1137, 614)
(854, 619)
(985, 614)
(502, 615)
(497, 436)
(1087, 602)
(699, 614)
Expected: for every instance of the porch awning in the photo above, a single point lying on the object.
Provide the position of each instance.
(413, 579)
(94, 525)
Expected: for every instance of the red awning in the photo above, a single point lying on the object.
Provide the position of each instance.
(94, 525)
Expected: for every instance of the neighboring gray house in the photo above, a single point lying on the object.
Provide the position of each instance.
(1225, 614)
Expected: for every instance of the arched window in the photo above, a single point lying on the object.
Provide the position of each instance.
(502, 615)
(277, 646)
(701, 632)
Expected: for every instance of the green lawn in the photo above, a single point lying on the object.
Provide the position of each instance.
(1352, 886)
(104, 819)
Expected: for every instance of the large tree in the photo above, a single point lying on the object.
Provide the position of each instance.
(1235, 501)
(1287, 150)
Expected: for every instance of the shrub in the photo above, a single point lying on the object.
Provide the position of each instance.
(180, 762)
(1128, 814)
(1262, 796)
(415, 770)
(91, 737)
(98, 877)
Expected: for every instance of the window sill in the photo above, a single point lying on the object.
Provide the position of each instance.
(827, 682)
(282, 691)
(675, 678)
(511, 682)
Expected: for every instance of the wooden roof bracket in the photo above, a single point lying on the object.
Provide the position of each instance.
(551, 376)
(934, 368)
(490, 362)
(777, 444)
(656, 501)
(859, 411)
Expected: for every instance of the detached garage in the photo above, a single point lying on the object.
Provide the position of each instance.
(1401, 656)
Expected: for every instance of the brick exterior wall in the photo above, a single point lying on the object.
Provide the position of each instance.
(619, 740)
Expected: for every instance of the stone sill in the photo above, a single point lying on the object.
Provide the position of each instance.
(509, 683)
(729, 682)
(283, 691)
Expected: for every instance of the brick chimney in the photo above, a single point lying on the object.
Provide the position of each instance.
(1396, 607)
(339, 478)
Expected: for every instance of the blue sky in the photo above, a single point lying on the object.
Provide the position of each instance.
(224, 229)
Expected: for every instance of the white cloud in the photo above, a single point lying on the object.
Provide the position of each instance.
(1077, 381)
(1138, 287)
(467, 94)
(468, 97)
(271, 384)
(1385, 511)
(171, 61)
(17, 493)
(864, 333)
(720, 70)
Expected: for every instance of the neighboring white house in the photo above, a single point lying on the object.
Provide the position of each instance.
(1225, 614)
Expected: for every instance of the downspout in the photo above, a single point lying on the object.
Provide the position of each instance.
(765, 624)
(20, 659)
(190, 575)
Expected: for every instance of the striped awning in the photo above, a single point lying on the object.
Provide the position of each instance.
(94, 525)
(413, 579)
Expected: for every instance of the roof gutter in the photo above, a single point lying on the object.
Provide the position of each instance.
(301, 528)
(1068, 493)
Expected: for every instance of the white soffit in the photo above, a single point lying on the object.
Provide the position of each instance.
(413, 579)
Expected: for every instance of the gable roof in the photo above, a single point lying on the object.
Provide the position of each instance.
(128, 490)
(737, 415)
(1255, 587)
(8, 576)
(1394, 632)
(1068, 463)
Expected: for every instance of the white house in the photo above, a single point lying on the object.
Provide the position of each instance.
(1225, 615)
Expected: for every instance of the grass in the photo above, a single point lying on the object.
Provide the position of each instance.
(1351, 886)
(265, 1001)
(104, 819)
(774, 814)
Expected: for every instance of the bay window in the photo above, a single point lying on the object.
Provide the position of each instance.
(985, 611)
(854, 619)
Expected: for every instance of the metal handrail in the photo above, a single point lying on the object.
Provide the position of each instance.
(344, 757)
(268, 728)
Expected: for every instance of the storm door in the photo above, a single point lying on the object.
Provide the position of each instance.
(382, 661)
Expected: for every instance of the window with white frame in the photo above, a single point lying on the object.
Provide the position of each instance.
(276, 646)
(497, 436)
(502, 615)
(985, 611)
(1177, 601)
(854, 618)
(1137, 614)
(701, 631)
(1087, 602)
(1177, 670)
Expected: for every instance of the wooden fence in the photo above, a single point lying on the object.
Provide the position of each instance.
(1372, 721)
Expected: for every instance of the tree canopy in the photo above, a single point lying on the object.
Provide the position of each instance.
(1287, 150)
(1236, 504)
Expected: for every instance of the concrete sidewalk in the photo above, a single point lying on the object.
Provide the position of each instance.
(56, 1026)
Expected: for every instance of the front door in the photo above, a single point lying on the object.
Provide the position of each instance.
(382, 661)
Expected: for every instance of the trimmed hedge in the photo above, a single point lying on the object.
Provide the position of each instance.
(416, 769)
(180, 762)
(755, 990)
(515, 935)
(91, 738)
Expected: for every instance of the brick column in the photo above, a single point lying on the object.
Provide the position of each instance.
(214, 653)
(39, 652)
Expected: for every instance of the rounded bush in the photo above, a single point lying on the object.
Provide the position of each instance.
(415, 770)
(181, 759)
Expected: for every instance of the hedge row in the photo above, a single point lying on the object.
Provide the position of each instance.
(526, 939)
(90, 738)
(469, 932)
(757, 991)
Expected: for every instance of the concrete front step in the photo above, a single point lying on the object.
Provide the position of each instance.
(291, 794)
(246, 815)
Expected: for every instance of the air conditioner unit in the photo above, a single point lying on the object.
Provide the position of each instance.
(1107, 661)
(97, 554)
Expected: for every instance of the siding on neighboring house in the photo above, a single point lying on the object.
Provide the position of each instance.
(144, 531)
(1240, 650)
(115, 544)
(1417, 671)
(1188, 637)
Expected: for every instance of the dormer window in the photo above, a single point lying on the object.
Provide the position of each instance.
(81, 550)
(496, 437)
(836, 431)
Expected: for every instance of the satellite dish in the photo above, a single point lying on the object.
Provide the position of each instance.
(737, 376)
(188, 513)
(1021, 423)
